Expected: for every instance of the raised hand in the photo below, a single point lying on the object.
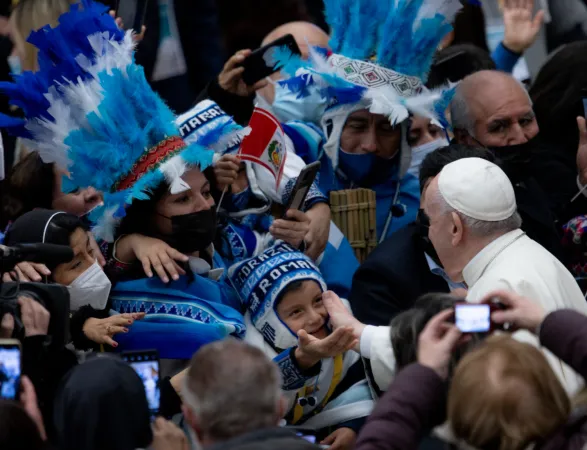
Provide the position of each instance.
(521, 26)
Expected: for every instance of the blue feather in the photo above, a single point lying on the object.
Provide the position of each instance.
(299, 85)
(343, 95)
(362, 34)
(441, 106)
(338, 16)
(283, 59)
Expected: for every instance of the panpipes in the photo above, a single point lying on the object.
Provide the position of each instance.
(353, 211)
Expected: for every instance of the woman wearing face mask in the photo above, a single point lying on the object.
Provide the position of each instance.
(88, 285)
(126, 145)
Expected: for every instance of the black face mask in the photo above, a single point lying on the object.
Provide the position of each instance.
(192, 232)
(514, 159)
(423, 226)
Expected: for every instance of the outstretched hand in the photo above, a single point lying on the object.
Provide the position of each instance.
(311, 349)
(521, 27)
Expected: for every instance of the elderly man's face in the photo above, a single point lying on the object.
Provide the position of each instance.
(370, 133)
(445, 230)
(503, 118)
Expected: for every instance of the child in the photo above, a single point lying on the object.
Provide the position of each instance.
(323, 379)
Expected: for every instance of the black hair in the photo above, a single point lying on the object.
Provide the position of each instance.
(468, 59)
(407, 326)
(436, 160)
(139, 215)
(291, 287)
(30, 184)
(17, 429)
(557, 96)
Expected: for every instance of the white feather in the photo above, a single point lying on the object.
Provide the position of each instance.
(173, 170)
(230, 140)
(106, 225)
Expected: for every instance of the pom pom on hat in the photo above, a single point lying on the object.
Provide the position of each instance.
(478, 189)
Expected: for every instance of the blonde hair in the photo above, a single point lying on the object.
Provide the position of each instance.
(504, 396)
(29, 16)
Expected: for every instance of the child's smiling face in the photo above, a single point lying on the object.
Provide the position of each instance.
(302, 309)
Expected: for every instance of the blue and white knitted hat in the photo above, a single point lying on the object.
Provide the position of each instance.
(90, 110)
(207, 125)
(383, 51)
(259, 281)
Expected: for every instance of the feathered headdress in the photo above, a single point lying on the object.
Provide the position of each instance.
(382, 51)
(90, 110)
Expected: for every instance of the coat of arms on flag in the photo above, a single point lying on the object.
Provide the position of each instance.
(265, 144)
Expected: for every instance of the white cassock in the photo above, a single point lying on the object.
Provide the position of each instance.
(512, 262)
(517, 263)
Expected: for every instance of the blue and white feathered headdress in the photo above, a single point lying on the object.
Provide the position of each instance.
(90, 110)
(382, 53)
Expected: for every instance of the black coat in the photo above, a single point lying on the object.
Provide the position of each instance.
(394, 275)
(268, 439)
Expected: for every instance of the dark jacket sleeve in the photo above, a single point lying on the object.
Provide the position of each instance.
(372, 294)
(76, 326)
(414, 403)
(564, 333)
(240, 108)
(170, 404)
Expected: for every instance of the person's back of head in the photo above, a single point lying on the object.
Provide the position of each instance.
(231, 389)
(454, 63)
(407, 326)
(436, 160)
(504, 395)
(17, 429)
(557, 94)
(102, 405)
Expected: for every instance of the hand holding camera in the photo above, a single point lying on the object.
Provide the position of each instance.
(35, 319)
(520, 312)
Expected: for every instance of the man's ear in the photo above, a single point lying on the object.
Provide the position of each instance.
(463, 137)
(457, 230)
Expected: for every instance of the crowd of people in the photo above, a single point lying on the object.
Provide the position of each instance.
(160, 289)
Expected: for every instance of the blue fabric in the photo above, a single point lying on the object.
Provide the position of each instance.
(504, 58)
(310, 140)
(181, 316)
(293, 378)
(338, 266)
(357, 166)
(439, 271)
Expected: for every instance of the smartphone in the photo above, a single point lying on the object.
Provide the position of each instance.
(132, 13)
(10, 368)
(303, 184)
(146, 365)
(454, 67)
(258, 65)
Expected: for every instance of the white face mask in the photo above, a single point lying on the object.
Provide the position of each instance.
(91, 288)
(419, 153)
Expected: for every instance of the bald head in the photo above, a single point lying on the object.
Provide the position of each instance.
(494, 109)
(303, 32)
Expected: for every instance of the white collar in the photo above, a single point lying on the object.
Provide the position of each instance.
(477, 266)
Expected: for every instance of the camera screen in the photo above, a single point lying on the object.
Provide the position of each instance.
(9, 372)
(473, 318)
(147, 367)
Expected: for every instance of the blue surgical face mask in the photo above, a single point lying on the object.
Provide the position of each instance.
(357, 167)
(419, 153)
(287, 107)
(240, 201)
(14, 64)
